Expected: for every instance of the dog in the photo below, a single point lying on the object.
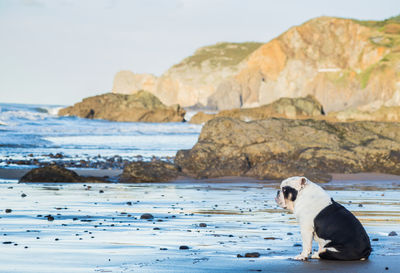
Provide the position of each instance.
(339, 234)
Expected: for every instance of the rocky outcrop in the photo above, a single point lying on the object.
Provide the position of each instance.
(279, 148)
(56, 174)
(155, 171)
(344, 63)
(384, 113)
(141, 106)
(192, 80)
(293, 108)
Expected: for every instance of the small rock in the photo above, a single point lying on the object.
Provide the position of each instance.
(392, 233)
(49, 218)
(156, 228)
(183, 247)
(202, 225)
(8, 210)
(271, 238)
(146, 216)
(163, 248)
(252, 255)
(297, 245)
(23, 195)
(360, 205)
(289, 233)
(375, 239)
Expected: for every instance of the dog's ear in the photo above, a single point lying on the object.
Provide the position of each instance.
(303, 182)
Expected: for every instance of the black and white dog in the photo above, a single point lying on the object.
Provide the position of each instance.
(339, 234)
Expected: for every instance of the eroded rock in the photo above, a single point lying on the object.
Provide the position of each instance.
(278, 148)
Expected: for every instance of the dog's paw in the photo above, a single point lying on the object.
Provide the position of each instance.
(315, 255)
(301, 257)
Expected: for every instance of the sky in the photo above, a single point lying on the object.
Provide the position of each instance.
(61, 51)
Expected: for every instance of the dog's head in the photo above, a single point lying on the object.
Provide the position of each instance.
(289, 191)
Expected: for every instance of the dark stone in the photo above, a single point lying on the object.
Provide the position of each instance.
(297, 245)
(375, 239)
(8, 210)
(252, 255)
(146, 216)
(202, 225)
(183, 247)
(392, 233)
(55, 174)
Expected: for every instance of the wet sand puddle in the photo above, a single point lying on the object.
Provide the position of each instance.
(97, 227)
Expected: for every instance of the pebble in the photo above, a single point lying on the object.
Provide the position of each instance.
(8, 210)
(271, 238)
(23, 195)
(249, 255)
(392, 233)
(297, 245)
(375, 239)
(289, 233)
(202, 225)
(183, 247)
(146, 216)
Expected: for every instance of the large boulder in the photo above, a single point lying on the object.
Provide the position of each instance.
(55, 174)
(155, 171)
(277, 148)
(141, 106)
(293, 108)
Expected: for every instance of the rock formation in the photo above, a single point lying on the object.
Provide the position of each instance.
(293, 108)
(155, 171)
(141, 106)
(344, 63)
(56, 174)
(278, 148)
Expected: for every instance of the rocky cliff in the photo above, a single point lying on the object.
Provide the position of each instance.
(344, 63)
(194, 79)
(279, 148)
(141, 106)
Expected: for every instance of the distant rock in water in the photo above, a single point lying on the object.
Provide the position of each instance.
(54, 174)
(141, 106)
(278, 148)
(292, 108)
(155, 171)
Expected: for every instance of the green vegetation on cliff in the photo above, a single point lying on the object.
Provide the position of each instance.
(221, 54)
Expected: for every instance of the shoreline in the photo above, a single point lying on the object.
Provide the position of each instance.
(338, 179)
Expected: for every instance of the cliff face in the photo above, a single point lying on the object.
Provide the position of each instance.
(192, 80)
(344, 63)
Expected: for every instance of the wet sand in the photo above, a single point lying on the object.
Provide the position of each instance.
(98, 227)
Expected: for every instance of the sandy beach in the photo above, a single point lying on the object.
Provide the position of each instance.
(98, 227)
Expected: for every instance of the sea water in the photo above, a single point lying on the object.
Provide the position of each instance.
(37, 131)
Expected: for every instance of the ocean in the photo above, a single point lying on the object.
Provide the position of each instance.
(35, 131)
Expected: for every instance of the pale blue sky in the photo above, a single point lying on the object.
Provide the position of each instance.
(58, 52)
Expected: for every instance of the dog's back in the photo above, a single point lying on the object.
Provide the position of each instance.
(345, 232)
